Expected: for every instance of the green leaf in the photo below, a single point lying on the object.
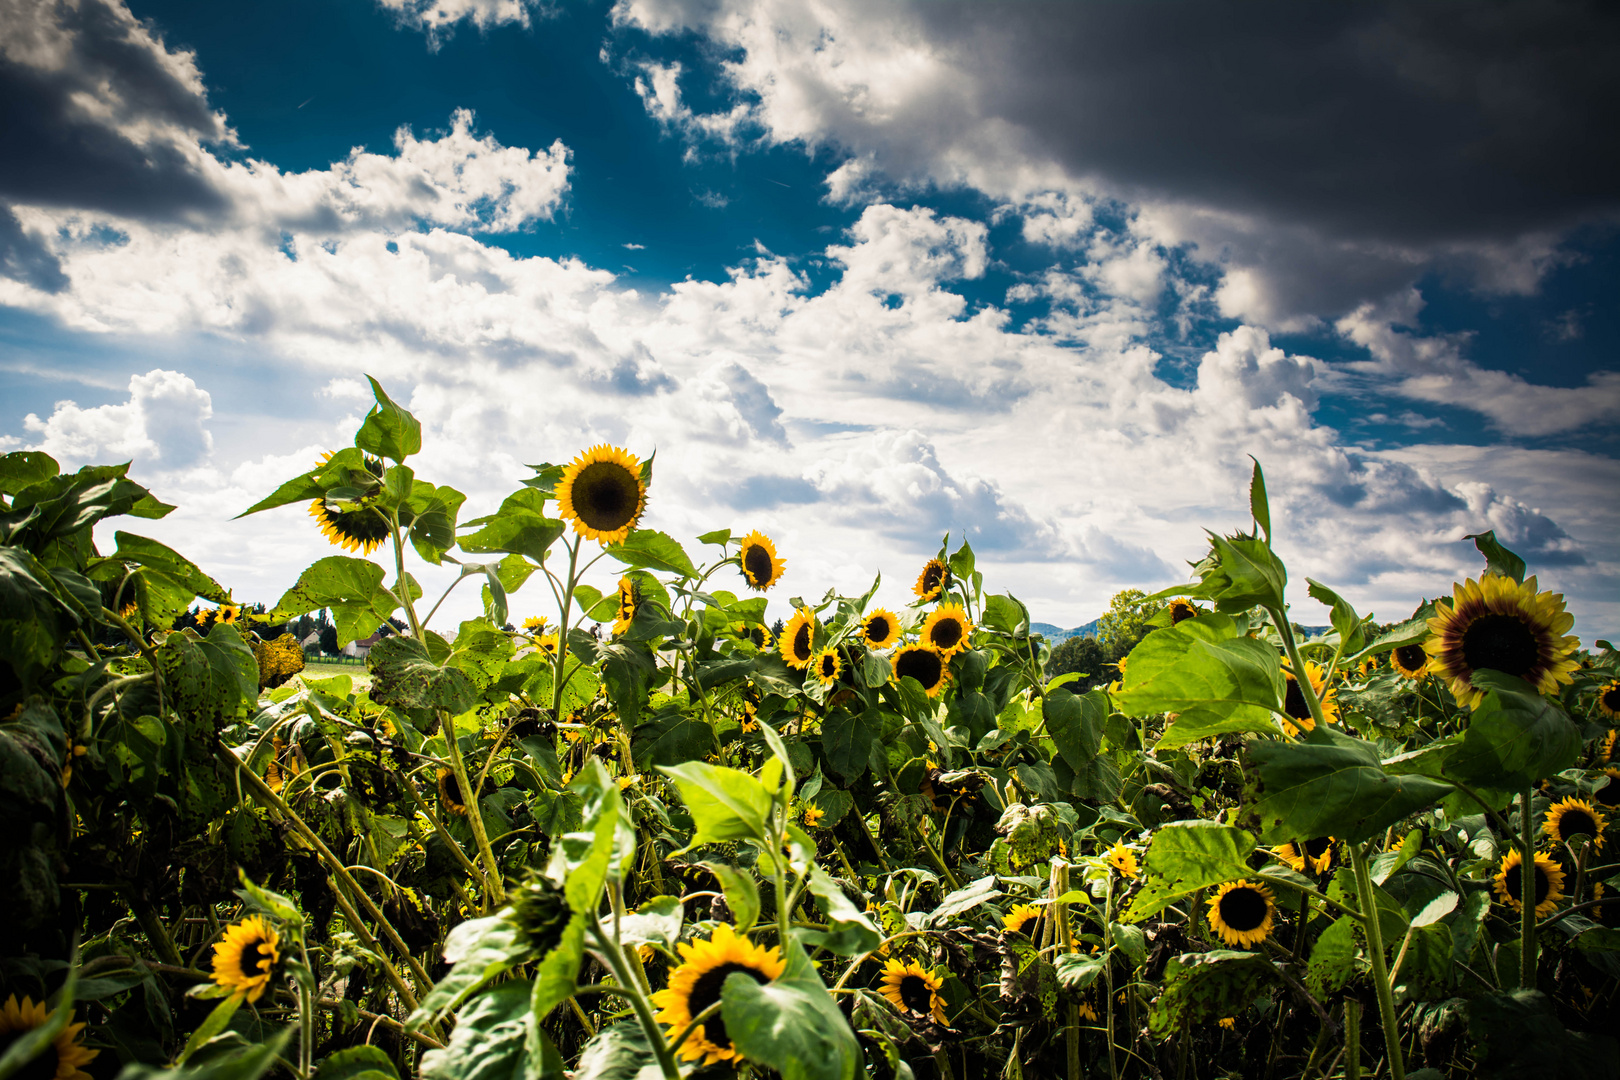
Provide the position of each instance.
(63, 505)
(1498, 559)
(670, 737)
(244, 1063)
(1076, 971)
(554, 979)
(1200, 988)
(619, 1052)
(649, 549)
(489, 1041)
(1076, 726)
(961, 563)
(351, 589)
(1515, 737)
(1333, 958)
(726, 804)
(587, 859)
(742, 894)
(433, 518)
(791, 1024)
(848, 738)
(966, 898)
(166, 582)
(212, 1025)
(356, 1062)
(659, 919)
(1259, 506)
(1344, 618)
(1332, 784)
(389, 430)
(404, 677)
(478, 950)
(1007, 614)
(851, 931)
(519, 527)
(24, 468)
(1187, 856)
(34, 622)
(1519, 1034)
(212, 678)
(1202, 670)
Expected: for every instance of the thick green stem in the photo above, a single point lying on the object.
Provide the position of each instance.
(1352, 1040)
(1380, 972)
(1527, 894)
(638, 1001)
(1296, 664)
(561, 657)
(306, 1014)
(494, 894)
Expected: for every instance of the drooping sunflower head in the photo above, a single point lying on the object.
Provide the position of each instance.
(1122, 859)
(354, 524)
(1549, 882)
(1574, 817)
(798, 644)
(540, 912)
(1181, 609)
(629, 597)
(912, 988)
(697, 982)
(933, 581)
(880, 629)
(947, 630)
(1608, 699)
(602, 494)
(1294, 698)
(1411, 660)
(1021, 919)
(1498, 624)
(924, 664)
(1240, 913)
(245, 959)
(827, 666)
(761, 566)
(450, 792)
(63, 1059)
(1314, 855)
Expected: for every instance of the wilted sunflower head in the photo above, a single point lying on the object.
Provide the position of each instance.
(912, 988)
(245, 959)
(1574, 817)
(924, 664)
(761, 566)
(1020, 917)
(1241, 913)
(629, 597)
(1294, 698)
(1122, 859)
(933, 581)
(696, 984)
(1608, 699)
(1315, 855)
(540, 912)
(1181, 609)
(450, 793)
(1498, 624)
(798, 643)
(947, 630)
(63, 1059)
(1411, 660)
(827, 666)
(1549, 883)
(602, 494)
(880, 629)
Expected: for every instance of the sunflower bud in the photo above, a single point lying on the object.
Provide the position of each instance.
(540, 912)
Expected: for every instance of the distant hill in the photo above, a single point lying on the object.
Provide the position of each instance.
(1055, 634)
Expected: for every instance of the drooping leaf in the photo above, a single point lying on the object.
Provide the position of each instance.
(489, 1041)
(1187, 856)
(670, 737)
(1076, 726)
(742, 895)
(389, 430)
(1202, 670)
(1498, 559)
(649, 549)
(403, 676)
(1515, 737)
(725, 803)
(351, 589)
(850, 930)
(791, 1024)
(478, 950)
(519, 527)
(619, 1052)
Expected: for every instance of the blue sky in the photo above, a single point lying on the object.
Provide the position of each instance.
(1041, 273)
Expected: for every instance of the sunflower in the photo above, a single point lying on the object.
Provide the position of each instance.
(1240, 913)
(228, 613)
(547, 643)
(602, 494)
(812, 816)
(880, 629)
(629, 597)
(1228, 1022)
(1019, 918)
(1367, 666)
(450, 792)
(361, 528)
(933, 581)
(799, 639)
(947, 630)
(1294, 699)
(245, 961)
(66, 1056)
(1606, 755)
(1411, 660)
(534, 625)
(1316, 854)
(1549, 883)
(756, 634)
(923, 664)
(696, 984)
(827, 666)
(1085, 1008)
(761, 566)
(1570, 818)
(1608, 699)
(1182, 609)
(912, 988)
(1123, 859)
(1500, 625)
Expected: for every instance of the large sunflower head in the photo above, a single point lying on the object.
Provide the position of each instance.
(547, 644)
(1411, 660)
(245, 960)
(1573, 817)
(1021, 919)
(359, 528)
(912, 988)
(602, 494)
(924, 664)
(1608, 699)
(1122, 859)
(761, 566)
(696, 984)
(63, 1059)
(1181, 609)
(1241, 913)
(880, 629)
(933, 581)
(1549, 882)
(1315, 855)
(947, 630)
(798, 643)
(1294, 699)
(827, 665)
(1498, 624)
(629, 597)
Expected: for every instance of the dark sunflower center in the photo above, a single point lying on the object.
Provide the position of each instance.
(1179, 612)
(706, 991)
(1411, 657)
(801, 642)
(253, 955)
(1023, 921)
(829, 667)
(452, 790)
(877, 629)
(41, 1068)
(946, 633)
(363, 524)
(756, 563)
(1609, 795)
(1243, 909)
(605, 495)
(1500, 643)
(1315, 848)
(1574, 822)
(933, 577)
(922, 665)
(1515, 885)
(1611, 698)
(1294, 702)
(916, 995)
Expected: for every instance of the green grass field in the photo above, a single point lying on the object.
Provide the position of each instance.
(357, 672)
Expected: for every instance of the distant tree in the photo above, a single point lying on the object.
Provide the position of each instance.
(1085, 655)
(1125, 622)
(329, 640)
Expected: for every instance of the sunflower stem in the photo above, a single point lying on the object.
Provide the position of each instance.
(494, 894)
(1380, 972)
(638, 1001)
(1527, 893)
(1285, 631)
(306, 1013)
(563, 612)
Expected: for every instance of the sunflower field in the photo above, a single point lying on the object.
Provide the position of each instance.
(641, 836)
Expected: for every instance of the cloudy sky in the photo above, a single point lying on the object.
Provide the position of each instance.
(1039, 274)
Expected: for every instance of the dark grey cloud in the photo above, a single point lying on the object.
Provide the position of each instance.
(25, 258)
(96, 113)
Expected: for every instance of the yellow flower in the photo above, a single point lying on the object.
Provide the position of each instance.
(63, 1059)
(880, 629)
(1228, 1022)
(245, 960)
(761, 566)
(924, 664)
(602, 494)
(1018, 919)
(1123, 859)
(696, 984)
(360, 528)
(827, 666)
(1608, 699)
(450, 792)
(1571, 817)
(629, 597)
(912, 988)
(799, 639)
(1241, 913)
(947, 630)
(1412, 660)
(813, 816)
(1085, 1009)
(1498, 624)
(534, 625)
(933, 581)
(547, 643)
(1183, 609)
(1549, 883)
(1294, 699)
(1316, 854)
